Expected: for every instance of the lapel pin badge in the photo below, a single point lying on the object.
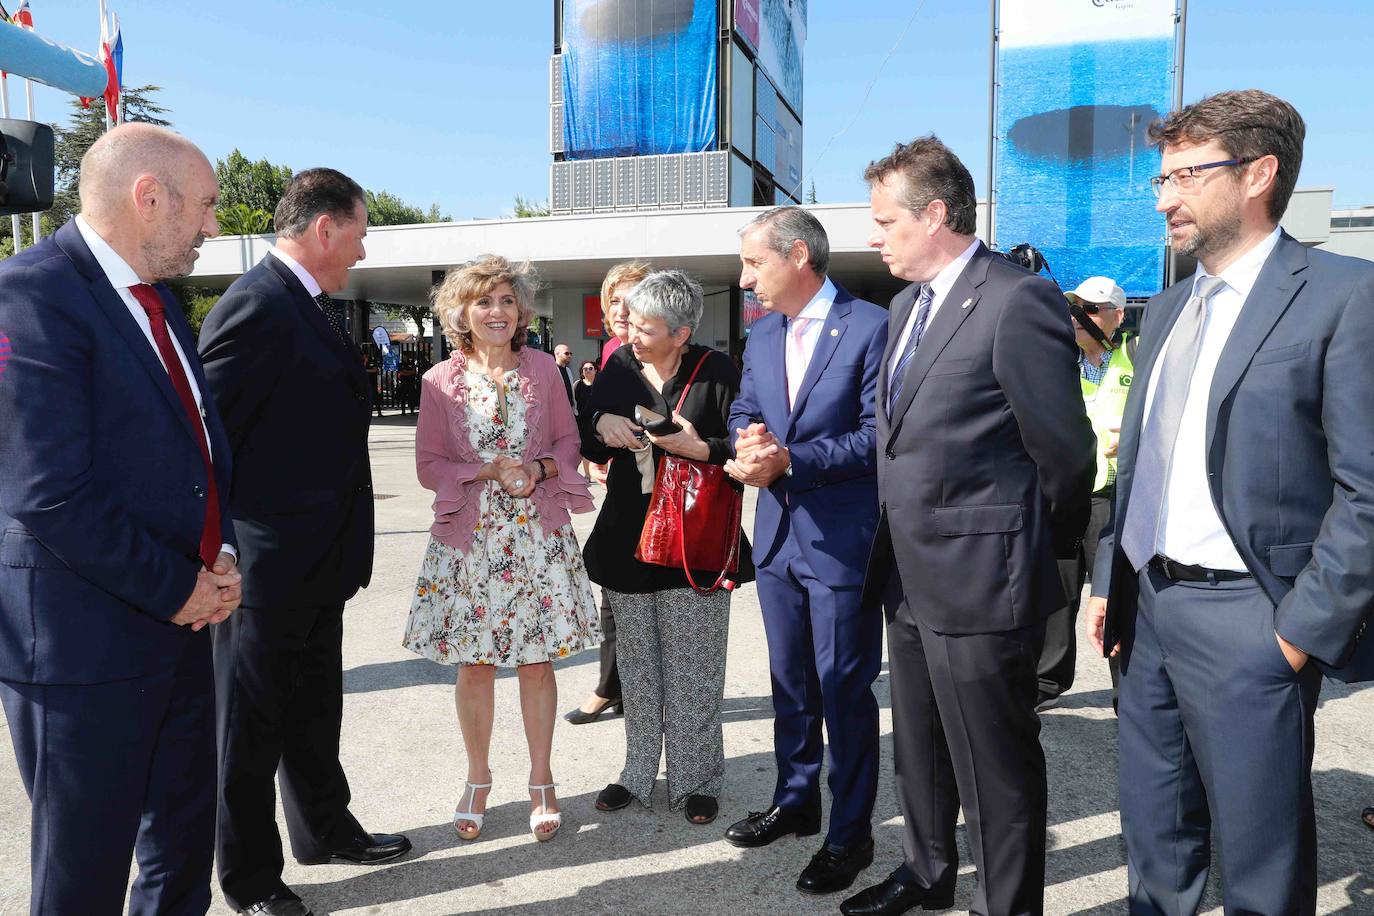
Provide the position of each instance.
(967, 303)
(834, 332)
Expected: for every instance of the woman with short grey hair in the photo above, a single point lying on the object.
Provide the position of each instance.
(670, 646)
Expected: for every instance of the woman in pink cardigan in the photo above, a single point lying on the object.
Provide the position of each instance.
(502, 583)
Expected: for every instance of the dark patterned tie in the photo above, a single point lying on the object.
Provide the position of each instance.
(899, 373)
(1155, 454)
(334, 314)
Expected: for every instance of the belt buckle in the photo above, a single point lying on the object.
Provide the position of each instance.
(1167, 566)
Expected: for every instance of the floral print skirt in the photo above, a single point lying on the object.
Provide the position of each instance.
(517, 596)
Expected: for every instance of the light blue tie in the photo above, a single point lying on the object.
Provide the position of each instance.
(1154, 456)
(923, 303)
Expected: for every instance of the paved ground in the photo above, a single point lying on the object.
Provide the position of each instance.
(405, 760)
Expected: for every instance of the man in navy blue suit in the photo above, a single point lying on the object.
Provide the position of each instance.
(1239, 568)
(117, 550)
(805, 427)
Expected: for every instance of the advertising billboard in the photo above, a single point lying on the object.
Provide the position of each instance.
(776, 29)
(1079, 82)
(639, 77)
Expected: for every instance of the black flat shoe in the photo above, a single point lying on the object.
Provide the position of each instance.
(277, 905)
(763, 827)
(613, 797)
(700, 809)
(834, 868)
(609, 707)
(365, 849)
(894, 896)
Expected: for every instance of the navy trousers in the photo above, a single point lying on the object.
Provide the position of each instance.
(1216, 739)
(824, 652)
(117, 771)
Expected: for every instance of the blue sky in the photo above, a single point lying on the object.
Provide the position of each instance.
(447, 100)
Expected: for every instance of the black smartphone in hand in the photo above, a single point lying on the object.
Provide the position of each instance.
(655, 423)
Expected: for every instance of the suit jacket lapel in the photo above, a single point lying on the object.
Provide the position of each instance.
(832, 332)
(314, 316)
(1274, 290)
(70, 240)
(957, 305)
(773, 378)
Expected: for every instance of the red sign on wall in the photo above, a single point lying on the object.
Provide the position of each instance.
(592, 325)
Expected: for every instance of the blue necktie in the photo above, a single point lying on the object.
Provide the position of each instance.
(923, 304)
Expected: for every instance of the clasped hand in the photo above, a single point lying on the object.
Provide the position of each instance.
(759, 458)
(619, 432)
(217, 593)
(517, 479)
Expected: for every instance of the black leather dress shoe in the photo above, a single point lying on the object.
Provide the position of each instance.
(763, 827)
(278, 905)
(895, 896)
(835, 867)
(365, 849)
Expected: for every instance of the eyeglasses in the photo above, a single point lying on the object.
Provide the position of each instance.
(1184, 180)
(586, 369)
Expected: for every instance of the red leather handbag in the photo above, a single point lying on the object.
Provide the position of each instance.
(694, 515)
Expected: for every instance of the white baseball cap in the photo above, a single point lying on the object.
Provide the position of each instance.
(1099, 291)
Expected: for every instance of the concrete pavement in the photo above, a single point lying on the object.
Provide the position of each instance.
(404, 758)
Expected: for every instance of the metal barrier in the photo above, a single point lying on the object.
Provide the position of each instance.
(396, 381)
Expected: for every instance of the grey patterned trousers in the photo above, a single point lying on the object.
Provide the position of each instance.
(670, 648)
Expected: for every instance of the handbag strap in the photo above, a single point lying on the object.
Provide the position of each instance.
(690, 379)
(721, 581)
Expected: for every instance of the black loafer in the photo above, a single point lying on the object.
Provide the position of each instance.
(700, 809)
(609, 708)
(278, 905)
(834, 868)
(894, 896)
(613, 797)
(365, 849)
(763, 827)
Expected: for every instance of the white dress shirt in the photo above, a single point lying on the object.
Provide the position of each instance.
(1190, 529)
(122, 277)
(814, 313)
(939, 289)
(309, 282)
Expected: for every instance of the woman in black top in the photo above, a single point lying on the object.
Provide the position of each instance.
(670, 639)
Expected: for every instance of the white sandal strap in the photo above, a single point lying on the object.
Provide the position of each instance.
(555, 817)
(469, 815)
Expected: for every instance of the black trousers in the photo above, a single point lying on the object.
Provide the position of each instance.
(965, 732)
(279, 707)
(1056, 667)
(1216, 744)
(608, 685)
(115, 772)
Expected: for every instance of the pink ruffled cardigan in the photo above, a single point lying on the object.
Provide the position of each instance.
(446, 463)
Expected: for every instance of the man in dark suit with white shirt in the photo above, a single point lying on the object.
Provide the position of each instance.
(985, 470)
(1239, 567)
(295, 399)
(116, 551)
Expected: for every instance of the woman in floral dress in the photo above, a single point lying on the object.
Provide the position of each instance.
(502, 583)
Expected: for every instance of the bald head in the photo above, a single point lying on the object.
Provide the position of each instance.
(151, 194)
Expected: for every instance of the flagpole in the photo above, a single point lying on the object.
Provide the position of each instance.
(104, 20)
(16, 221)
(28, 95)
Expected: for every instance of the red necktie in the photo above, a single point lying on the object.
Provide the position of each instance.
(210, 538)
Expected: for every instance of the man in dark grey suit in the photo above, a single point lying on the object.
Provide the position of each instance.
(985, 468)
(1240, 565)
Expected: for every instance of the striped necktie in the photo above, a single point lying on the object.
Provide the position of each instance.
(923, 303)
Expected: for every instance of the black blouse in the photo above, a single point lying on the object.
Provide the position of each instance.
(619, 386)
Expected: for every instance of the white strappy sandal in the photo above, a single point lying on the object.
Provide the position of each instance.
(460, 816)
(539, 820)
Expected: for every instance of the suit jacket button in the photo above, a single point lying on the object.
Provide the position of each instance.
(198, 490)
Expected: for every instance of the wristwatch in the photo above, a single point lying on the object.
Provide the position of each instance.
(787, 471)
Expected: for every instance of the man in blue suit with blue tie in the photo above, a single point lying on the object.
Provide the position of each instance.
(805, 427)
(116, 553)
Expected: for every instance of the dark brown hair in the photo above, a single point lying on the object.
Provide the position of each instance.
(1248, 124)
(931, 172)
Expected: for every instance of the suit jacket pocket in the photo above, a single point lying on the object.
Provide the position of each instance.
(955, 521)
(1288, 560)
(950, 367)
(19, 548)
(1280, 354)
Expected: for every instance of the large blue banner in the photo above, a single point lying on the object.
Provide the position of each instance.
(639, 77)
(1078, 85)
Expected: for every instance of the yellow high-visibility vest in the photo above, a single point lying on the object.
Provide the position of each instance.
(1106, 403)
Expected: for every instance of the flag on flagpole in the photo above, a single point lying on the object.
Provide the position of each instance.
(111, 74)
(117, 52)
(23, 16)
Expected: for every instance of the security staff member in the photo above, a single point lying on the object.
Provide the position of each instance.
(1104, 359)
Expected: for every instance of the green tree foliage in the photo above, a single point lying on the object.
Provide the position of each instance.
(525, 209)
(240, 219)
(256, 185)
(196, 302)
(386, 209)
(811, 193)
